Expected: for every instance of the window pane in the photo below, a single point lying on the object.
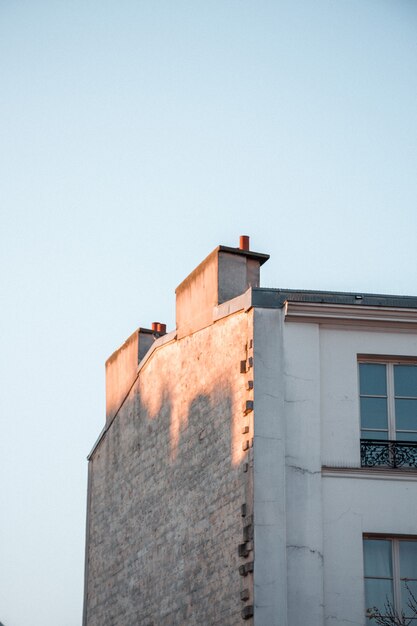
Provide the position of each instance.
(377, 557)
(373, 379)
(374, 434)
(406, 414)
(374, 413)
(406, 436)
(406, 597)
(377, 593)
(405, 380)
(408, 559)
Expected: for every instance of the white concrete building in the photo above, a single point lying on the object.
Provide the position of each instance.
(323, 430)
(339, 369)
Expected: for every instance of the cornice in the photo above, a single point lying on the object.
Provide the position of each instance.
(351, 315)
(374, 473)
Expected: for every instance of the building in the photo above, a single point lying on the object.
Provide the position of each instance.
(258, 463)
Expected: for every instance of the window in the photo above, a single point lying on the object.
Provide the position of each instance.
(388, 395)
(388, 408)
(390, 567)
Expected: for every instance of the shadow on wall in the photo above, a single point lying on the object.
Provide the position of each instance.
(209, 417)
(173, 497)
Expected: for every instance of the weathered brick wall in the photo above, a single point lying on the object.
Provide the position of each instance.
(167, 487)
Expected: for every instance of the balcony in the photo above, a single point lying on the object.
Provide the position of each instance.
(392, 454)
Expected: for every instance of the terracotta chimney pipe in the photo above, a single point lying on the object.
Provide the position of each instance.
(160, 329)
(244, 242)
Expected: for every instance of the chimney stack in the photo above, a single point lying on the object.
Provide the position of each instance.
(122, 367)
(223, 275)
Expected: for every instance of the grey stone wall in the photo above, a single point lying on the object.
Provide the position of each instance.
(168, 482)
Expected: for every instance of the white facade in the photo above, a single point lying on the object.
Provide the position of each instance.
(313, 503)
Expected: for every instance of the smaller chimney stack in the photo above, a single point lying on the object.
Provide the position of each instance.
(122, 368)
(244, 242)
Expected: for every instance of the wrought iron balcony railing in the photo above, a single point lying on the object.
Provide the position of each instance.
(394, 454)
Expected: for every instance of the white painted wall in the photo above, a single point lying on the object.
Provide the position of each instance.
(303, 474)
(270, 576)
(313, 414)
(352, 507)
(339, 351)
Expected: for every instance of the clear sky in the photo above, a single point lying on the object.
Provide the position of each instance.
(135, 137)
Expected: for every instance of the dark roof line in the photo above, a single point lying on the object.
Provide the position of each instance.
(275, 298)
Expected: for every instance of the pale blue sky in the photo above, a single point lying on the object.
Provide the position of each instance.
(135, 137)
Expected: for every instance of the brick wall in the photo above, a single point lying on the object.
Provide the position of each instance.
(168, 482)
